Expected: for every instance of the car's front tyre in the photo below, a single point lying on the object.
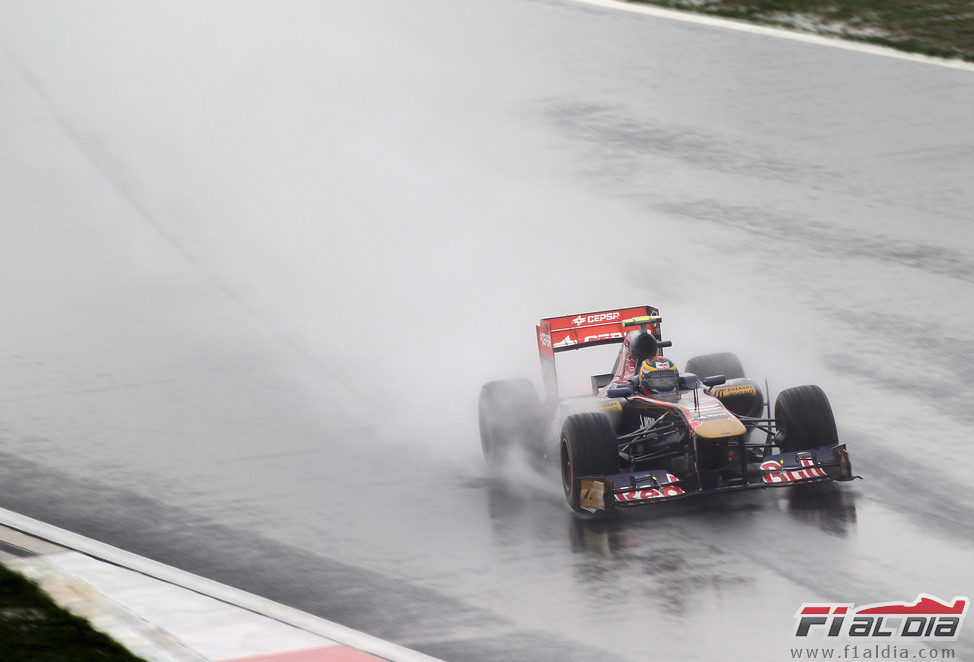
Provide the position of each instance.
(804, 419)
(588, 448)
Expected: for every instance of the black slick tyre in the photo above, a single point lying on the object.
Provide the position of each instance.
(804, 419)
(722, 363)
(509, 413)
(588, 448)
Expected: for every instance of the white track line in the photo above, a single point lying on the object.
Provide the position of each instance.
(228, 594)
(741, 26)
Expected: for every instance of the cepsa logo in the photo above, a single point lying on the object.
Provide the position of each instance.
(601, 336)
(596, 319)
(927, 619)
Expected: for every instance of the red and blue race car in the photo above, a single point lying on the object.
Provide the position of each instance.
(650, 432)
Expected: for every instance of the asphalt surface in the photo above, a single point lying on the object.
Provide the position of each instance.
(257, 261)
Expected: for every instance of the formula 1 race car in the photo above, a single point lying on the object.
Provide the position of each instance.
(651, 433)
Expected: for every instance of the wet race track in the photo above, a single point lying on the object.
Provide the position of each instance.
(257, 262)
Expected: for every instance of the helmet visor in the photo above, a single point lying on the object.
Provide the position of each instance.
(659, 381)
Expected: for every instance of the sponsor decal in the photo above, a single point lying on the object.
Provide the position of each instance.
(705, 413)
(639, 494)
(688, 400)
(925, 619)
(596, 319)
(775, 474)
(612, 406)
(601, 336)
(700, 418)
(733, 390)
(568, 341)
(658, 363)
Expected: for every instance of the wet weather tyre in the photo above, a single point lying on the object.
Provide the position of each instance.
(588, 448)
(722, 363)
(804, 419)
(509, 413)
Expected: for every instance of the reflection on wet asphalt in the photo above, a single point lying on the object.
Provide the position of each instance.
(541, 584)
(829, 507)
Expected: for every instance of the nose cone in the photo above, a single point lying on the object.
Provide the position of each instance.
(721, 427)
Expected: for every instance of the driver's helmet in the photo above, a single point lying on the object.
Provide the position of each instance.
(658, 375)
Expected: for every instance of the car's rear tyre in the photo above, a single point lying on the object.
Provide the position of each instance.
(804, 419)
(588, 448)
(510, 414)
(722, 363)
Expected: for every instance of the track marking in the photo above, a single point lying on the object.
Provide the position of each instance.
(781, 33)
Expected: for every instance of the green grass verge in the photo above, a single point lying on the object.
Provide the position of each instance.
(943, 28)
(33, 628)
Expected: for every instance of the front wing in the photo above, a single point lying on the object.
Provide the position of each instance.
(817, 465)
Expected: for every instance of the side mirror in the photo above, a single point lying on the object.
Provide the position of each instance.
(600, 381)
(714, 380)
(619, 390)
(689, 381)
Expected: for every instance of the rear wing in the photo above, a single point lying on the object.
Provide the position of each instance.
(568, 332)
